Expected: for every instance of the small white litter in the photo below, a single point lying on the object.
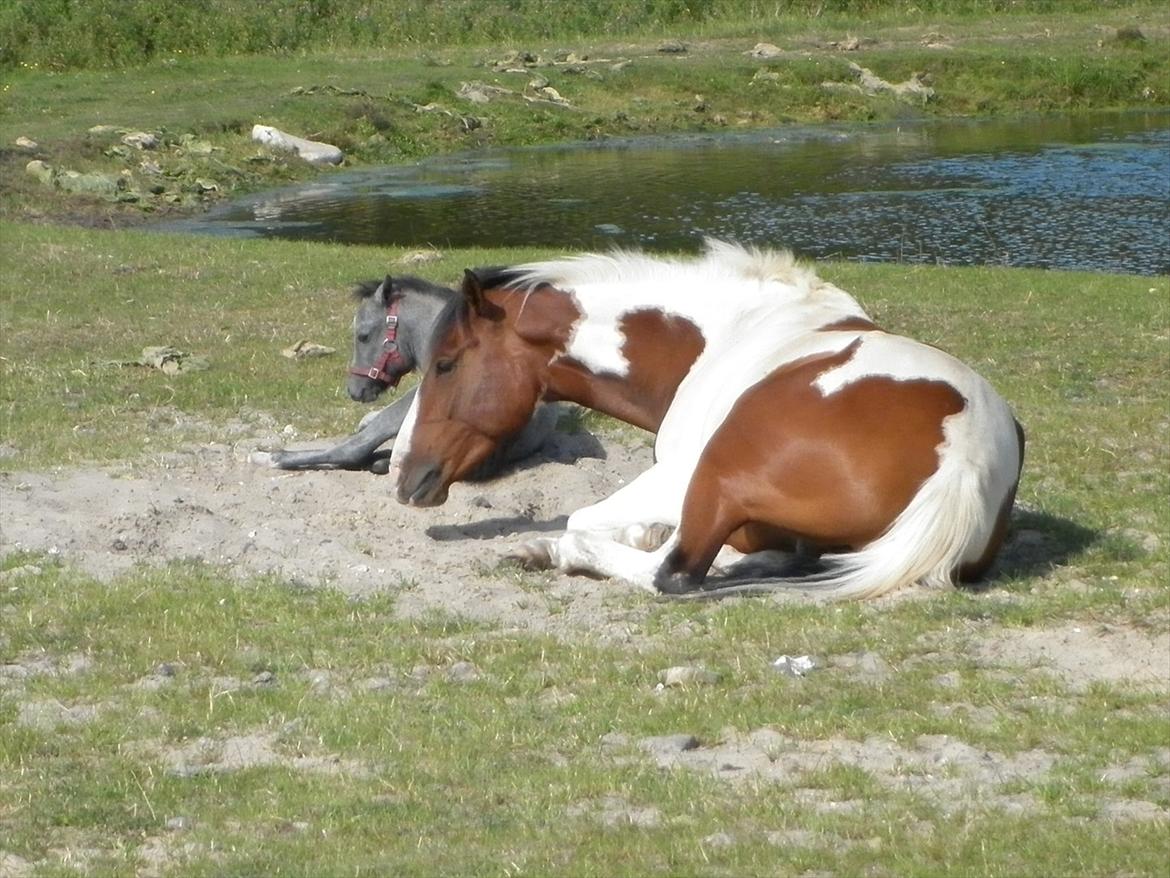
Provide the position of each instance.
(794, 665)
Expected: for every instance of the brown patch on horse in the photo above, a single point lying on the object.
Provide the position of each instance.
(792, 464)
(973, 571)
(660, 349)
(849, 324)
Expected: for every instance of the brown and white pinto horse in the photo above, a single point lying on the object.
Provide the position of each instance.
(785, 420)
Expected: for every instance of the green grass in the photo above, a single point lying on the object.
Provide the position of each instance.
(439, 777)
(377, 761)
(508, 773)
(365, 97)
(117, 33)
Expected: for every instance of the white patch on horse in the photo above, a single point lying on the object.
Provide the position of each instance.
(740, 301)
(402, 441)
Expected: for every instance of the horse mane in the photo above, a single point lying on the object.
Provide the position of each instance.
(495, 276)
(718, 260)
(401, 283)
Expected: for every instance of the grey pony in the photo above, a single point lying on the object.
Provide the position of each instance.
(392, 333)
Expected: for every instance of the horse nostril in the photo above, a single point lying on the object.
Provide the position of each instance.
(420, 485)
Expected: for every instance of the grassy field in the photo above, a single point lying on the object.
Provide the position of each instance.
(395, 101)
(182, 718)
(179, 721)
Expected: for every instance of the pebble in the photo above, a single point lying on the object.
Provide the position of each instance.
(795, 665)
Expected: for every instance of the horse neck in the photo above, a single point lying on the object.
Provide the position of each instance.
(639, 384)
(423, 316)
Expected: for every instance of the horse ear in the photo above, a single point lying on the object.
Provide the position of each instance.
(473, 294)
(386, 290)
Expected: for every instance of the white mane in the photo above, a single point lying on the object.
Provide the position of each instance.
(719, 261)
(746, 302)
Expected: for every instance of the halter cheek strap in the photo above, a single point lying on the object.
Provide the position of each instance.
(391, 355)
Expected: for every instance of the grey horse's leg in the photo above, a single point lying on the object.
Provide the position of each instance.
(356, 451)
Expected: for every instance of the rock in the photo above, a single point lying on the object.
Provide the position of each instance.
(305, 349)
(48, 715)
(865, 664)
(672, 47)
(41, 170)
(90, 184)
(141, 140)
(103, 130)
(765, 50)
(949, 680)
(765, 75)
(615, 740)
(26, 143)
(687, 676)
(795, 665)
(18, 572)
(718, 840)
(312, 151)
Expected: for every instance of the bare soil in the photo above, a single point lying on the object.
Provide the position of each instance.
(339, 529)
(344, 530)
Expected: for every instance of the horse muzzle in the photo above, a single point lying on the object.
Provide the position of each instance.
(363, 389)
(421, 484)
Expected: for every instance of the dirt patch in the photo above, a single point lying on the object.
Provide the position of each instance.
(340, 529)
(1080, 655)
(949, 772)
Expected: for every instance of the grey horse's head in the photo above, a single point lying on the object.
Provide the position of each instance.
(392, 331)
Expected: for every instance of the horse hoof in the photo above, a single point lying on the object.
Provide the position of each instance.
(381, 466)
(675, 583)
(264, 458)
(533, 555)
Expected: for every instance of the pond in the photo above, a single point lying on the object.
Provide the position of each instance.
(1087, 191)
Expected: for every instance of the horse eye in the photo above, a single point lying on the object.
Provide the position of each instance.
(363, 337)
(442, 367)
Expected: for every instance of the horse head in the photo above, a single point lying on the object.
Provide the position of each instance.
(482, 385)
(391, 332)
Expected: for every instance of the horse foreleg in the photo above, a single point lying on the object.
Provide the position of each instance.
(355, 451)
(617, 536)
(640, 514)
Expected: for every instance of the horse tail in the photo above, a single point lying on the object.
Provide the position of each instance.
(928, 542)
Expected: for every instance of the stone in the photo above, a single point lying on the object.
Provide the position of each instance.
(312, 151)
(41, 170)
(141, 140)
(765, 50)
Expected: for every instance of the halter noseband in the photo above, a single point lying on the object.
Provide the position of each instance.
(391, 355)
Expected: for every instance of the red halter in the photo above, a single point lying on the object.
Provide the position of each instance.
(391, 356)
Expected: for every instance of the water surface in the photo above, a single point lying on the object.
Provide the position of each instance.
(1076, 192)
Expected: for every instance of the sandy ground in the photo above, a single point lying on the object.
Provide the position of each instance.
(335, 528)
(345, 530)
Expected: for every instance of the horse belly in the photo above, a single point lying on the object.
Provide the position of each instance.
(791, 462)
